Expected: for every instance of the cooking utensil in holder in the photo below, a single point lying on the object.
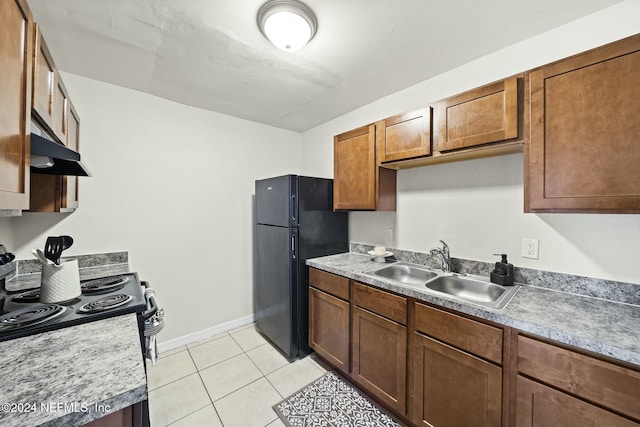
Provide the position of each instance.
(60, 282)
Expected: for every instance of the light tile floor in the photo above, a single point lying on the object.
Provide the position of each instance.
(230, 380)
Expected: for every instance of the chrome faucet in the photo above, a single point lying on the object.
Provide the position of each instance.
(445, 257)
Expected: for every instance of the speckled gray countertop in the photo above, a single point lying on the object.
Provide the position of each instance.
(56, 379)
(90, 267)
(604, 327)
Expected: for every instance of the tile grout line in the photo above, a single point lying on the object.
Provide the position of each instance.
(204, 385)
(259, 370)
(243, 352)
(263, 376)
(187, 415)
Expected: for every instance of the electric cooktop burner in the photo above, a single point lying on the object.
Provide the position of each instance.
(30, 316)
(106, 303)
(22, 314)
(103, 285)
(29, 296)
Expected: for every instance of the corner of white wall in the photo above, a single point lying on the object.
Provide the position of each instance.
(7, 237)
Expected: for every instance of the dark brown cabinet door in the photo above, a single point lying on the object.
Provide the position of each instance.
(70, 183)
(404, 136)
(358, 181)
(538, 405)
(60, 109)
(454, 388)
(329, 328)
(16, 49)
(57, 193)
(50, 96)
(44, 85)
(354, 179)
(481, 116)
(585, 377)
(131, 416)
(379, 361)
(584, 148)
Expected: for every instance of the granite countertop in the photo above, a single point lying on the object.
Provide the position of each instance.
(56, 379)
(90, 267)
(604, 327)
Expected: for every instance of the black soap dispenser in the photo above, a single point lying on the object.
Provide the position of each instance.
(502, 273)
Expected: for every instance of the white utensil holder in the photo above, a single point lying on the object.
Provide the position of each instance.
(60, 282)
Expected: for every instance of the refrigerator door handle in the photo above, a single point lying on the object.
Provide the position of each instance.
(293, 246)
(293, 208)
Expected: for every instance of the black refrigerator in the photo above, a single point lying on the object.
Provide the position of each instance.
(295, 221)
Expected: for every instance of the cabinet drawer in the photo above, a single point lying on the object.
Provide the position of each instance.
(602, 382)
(469, 335)
(383, 303)
(337, 286)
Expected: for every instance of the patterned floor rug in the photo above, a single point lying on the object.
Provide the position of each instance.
(331, 402)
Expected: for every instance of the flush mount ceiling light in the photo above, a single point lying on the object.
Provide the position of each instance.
(288, 24)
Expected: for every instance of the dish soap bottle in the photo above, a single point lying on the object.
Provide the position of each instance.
(502, 273)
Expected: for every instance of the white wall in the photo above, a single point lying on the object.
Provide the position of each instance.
(477, 206)
(173, 185)
(6, 233)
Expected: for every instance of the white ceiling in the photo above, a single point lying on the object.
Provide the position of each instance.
(210, 53)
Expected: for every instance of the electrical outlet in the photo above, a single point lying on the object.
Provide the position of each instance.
(530, 248)
(391, 236)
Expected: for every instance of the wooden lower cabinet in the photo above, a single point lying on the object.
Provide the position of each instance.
(379, 363)
(130, 416)
(557, 386)
(538, 405)
(329, 328)
(454, 388)
(437, 367)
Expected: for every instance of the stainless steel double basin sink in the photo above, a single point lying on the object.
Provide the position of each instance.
(473, 289)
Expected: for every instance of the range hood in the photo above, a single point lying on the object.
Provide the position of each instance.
(49, 157)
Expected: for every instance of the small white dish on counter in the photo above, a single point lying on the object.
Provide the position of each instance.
(380, 258)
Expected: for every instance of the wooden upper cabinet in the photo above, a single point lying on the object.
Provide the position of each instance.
(58, 119)
(16, 47)
(358, 181)
(481, 116)
(60, 109)
(404, 136)
(70, 186)
(584, 147)
(44, 85)
(58, 193)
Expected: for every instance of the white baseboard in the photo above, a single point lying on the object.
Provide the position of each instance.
(205, 333)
